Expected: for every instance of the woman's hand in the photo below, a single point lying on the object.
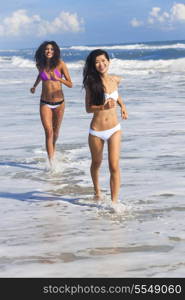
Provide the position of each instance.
(54, 76)
(124, 113)
(32, 90)
(110, 103)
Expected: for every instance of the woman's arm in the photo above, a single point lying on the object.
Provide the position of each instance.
(64, 70)
(95, 108)
(120, 102)
(124, 113)
(37, 81)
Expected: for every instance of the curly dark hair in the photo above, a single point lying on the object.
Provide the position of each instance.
(40, 55)
(92, 79)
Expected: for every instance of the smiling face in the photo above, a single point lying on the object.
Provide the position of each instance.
(49, 51)
(102, 64)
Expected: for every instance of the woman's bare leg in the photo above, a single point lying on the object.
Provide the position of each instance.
(58, 113)
(113, 156)
(96, 148)
(46, 119)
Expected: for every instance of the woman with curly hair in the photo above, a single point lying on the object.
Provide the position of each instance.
(53, 73)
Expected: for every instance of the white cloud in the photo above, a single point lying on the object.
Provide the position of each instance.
(150, 20)
(166, 20)
(178, 12)
(135, 23)
(156, 16)
(20, 23)
(155, 11)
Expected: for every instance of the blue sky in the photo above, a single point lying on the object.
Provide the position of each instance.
(26, 23)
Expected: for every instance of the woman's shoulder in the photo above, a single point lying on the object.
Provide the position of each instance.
(61, 63)
(116, 79)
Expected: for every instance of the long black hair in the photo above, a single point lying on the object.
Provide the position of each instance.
(92, 79)
(40, 55)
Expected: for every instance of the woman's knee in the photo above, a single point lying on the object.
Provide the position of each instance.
(55, 135)
(49, 132)
(114, 167)
(96, 163)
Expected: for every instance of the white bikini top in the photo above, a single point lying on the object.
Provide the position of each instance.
(114, 95)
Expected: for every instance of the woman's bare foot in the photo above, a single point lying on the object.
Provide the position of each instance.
(97, 195)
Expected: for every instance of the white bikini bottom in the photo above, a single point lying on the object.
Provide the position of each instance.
(105, 134)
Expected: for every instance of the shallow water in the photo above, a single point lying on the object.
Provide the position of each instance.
(50, 224)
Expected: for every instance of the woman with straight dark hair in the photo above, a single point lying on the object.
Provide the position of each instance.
(101, 99)
(53, 73)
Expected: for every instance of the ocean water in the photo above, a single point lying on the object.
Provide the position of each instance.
(50, 224)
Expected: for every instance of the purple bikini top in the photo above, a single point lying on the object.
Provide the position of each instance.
(44, 76)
